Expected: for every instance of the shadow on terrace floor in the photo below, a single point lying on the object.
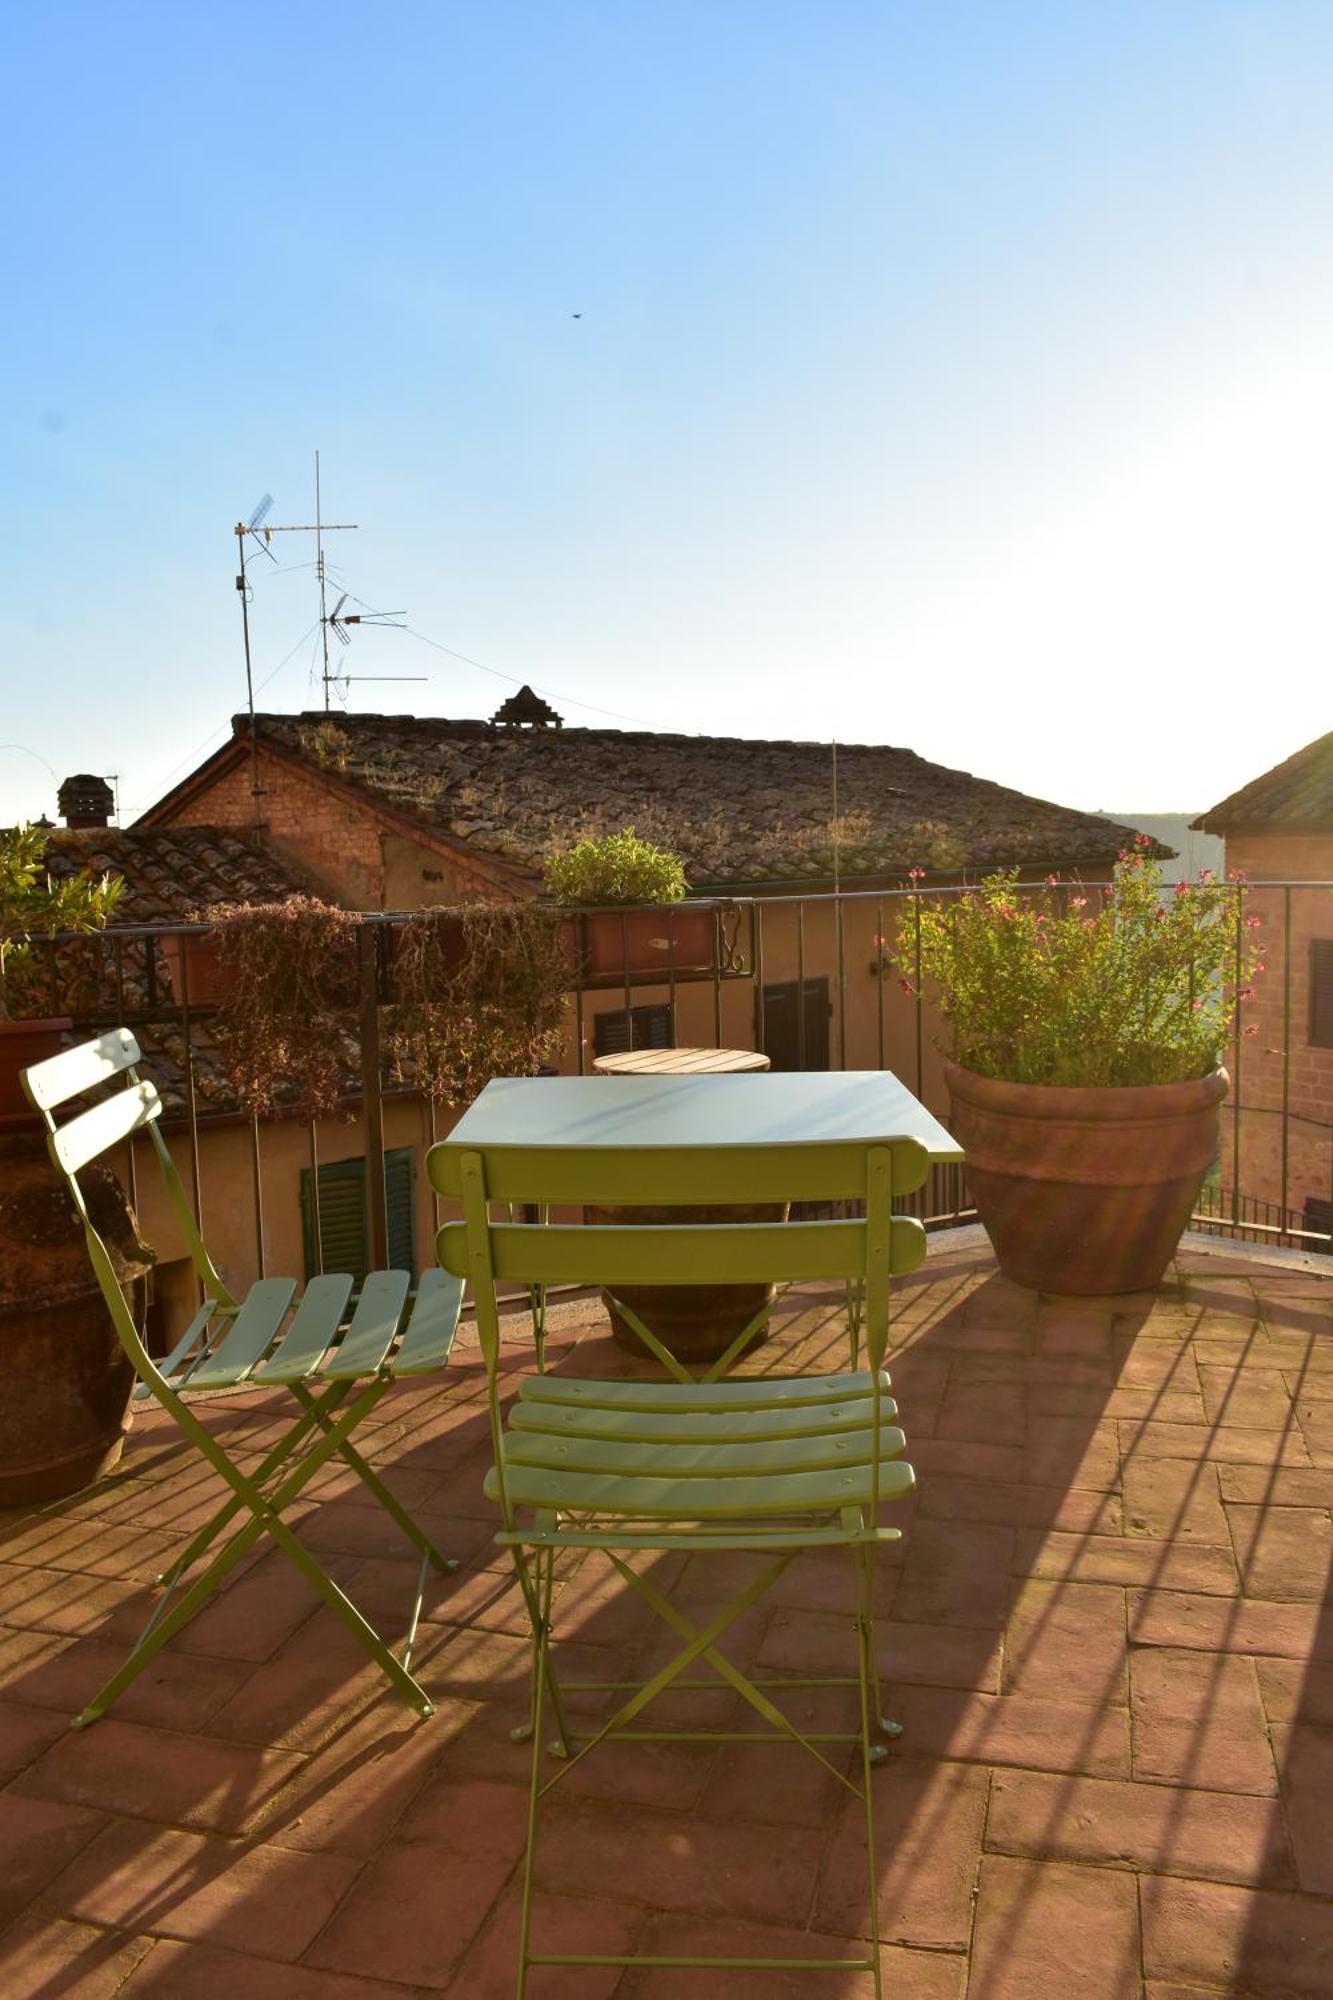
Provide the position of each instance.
(1107, 1630)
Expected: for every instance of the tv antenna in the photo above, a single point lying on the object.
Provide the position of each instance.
(259, 531)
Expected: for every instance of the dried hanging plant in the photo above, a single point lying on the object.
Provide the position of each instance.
(479, 992)
(289, 973)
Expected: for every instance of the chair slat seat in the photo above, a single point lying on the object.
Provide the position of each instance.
(248, 1339)
(761, 1392)
(313, 1330)
(710, 1426)
(663, 1496)
(737, 1458)
(373, 1326)
(429, 1338)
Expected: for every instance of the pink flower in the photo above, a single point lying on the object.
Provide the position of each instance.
(1196, 1004)
(1246, 993)
(1052, 881)
(915, 874)
(906, 986)
(1253, 923)
(1252, 1029)
(1078, 902)
(1143, 840)
(1207, 875)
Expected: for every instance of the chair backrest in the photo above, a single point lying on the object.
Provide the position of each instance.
(487, 1248)
(133, 1107)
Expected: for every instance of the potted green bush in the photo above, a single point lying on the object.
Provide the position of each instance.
(608, 880)
(1085, 1030)
(35, 975)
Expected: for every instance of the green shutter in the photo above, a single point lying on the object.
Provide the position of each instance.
(344, 1232)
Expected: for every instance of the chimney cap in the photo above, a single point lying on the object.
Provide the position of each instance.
(85, 800)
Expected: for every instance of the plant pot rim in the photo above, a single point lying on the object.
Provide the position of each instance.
(1108, 1100)
(35, 1023)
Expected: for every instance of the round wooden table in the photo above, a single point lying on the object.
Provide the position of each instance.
(695, 1322)
(680, 1062)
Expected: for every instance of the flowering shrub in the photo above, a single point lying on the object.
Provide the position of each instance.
(32, 906)
(1072, 985)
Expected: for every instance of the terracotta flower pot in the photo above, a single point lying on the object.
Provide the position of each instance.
(23, 1043)
(693, 1322)
(1085, 1189)
(677, 939)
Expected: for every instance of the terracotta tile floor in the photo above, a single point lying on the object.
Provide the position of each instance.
(1109, 1630)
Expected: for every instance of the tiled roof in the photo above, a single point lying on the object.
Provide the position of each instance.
(1296, 794)
(738, 811)
(171, 874)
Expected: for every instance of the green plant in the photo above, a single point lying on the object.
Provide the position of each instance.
(290, 974)
(615, 868)
(35, 906)
(1067, 985)
(330, 746)
(479, 992)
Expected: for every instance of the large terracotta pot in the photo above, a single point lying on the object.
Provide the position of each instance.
(1085, 1190)
(67, 1380)
(693, 1322)
(23, 1043)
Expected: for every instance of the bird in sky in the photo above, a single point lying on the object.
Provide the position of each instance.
(576, 315)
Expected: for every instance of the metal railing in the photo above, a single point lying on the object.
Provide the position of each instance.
(811, 980)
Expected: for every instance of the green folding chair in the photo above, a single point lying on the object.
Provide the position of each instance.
(336, 1355)
(766, 1464)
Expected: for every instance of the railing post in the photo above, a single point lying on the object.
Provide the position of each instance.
(369, 1025)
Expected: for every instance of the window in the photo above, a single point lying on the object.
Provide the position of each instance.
(344, 1222)
(1321, 993)
(796, 1034)
(627, 1028)
(1319, 1218)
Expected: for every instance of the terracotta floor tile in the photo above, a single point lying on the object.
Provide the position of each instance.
(412, 1914)
(908, 1975)
(1295, 1691)
(956, 1573)
(46, 1956)
(1153, 1828)
(936, 1457)
(1237, 1940)
(1283, 1552)
(489, 1966)
(1248, 1395)
(1033, 1730)
(201, 1972)
(695, 1865)
(1235, 1444)
(1044, 1927)
(1126, 1559)
(264, 1901)
(1070, 1451)
(1198, 1720)
(351, 1792)
(1277, 1486)
(1236, 1625)
(1305, 1760)
(26, 1733)
(249, 1619)
(174, 1691)
(928, 1826)
(1067, 1638)
(989, 1414)
(155, 1774)
(1174, 1500)
(38, 1837)
(948, 1497)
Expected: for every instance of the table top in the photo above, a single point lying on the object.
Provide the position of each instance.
(680, 1062)
(783, 1108)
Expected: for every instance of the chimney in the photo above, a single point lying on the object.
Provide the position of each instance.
(85, 800)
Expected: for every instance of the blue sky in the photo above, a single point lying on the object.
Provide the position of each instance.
(956, 376)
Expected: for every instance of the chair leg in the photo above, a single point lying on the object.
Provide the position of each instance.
(542, 1635)
(352, 1457)
(266, 1510)
(867, 1677)
(884, 1722)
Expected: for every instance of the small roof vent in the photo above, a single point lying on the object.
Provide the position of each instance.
(526, 710)
(85, 800)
